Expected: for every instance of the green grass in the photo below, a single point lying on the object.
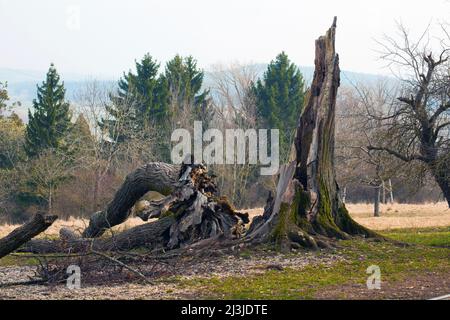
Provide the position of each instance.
(424, 236)
(395, 262)
(430, 251)
(17, 260)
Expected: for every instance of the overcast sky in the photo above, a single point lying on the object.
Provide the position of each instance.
(104, 37)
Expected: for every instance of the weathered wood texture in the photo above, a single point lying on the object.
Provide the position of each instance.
(156, 176)
(191, 213)
(307, 208)
(149, 235)
(39, 223)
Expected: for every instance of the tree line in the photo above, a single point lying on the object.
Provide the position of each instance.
(70, 156)
(392, 136)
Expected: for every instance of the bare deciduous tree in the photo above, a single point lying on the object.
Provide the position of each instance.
(355, 129)
(235, 109)
(103, 153)
(418, 121)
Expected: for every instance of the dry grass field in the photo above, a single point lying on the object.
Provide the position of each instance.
(395, 216)
(75, 224)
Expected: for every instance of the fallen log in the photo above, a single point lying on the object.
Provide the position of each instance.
(148, 235)
(37, 224)
(156, 176)
(193, 211)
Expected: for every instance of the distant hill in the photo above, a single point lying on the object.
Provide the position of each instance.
(22, 83)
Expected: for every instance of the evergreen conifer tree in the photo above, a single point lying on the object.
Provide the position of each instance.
(141, 100)
(279, 99)
(50, 121)
(185, 82)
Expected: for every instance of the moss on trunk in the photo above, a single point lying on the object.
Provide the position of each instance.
(307, 210)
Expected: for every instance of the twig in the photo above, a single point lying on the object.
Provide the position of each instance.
(38, 255)
(122, 265)
(23, 283)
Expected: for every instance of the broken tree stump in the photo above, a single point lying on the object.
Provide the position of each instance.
(307, 210)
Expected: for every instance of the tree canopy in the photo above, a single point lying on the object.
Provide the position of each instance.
(50, 121)
(279, 99)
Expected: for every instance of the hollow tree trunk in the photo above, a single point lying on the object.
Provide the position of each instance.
(156, 176)
(39, 223)
(307, 210)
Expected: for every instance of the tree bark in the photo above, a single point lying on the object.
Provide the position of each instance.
(391, 192)
(376, 202)
(443, 181)
(39, 223)
(156, 176)
(148, 235)
(307, 208)
(191, 213)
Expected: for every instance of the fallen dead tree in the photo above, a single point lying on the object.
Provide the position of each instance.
(39, 223)
(192, 212)
(150, 235)
(156, 176)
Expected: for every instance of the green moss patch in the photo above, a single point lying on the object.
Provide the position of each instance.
(395, 262)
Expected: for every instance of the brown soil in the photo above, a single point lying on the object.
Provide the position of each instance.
(426, 285)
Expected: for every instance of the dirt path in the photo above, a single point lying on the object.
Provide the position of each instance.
(426, 285)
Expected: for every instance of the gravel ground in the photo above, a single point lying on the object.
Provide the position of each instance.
(166, 284)
(164, 287)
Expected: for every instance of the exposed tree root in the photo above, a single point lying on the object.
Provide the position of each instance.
(192, 212)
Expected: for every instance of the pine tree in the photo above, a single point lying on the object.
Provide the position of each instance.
(50, 121)
(3, 96)
(141, 100)
(185, 82)
(81, 138)
(279, 99)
